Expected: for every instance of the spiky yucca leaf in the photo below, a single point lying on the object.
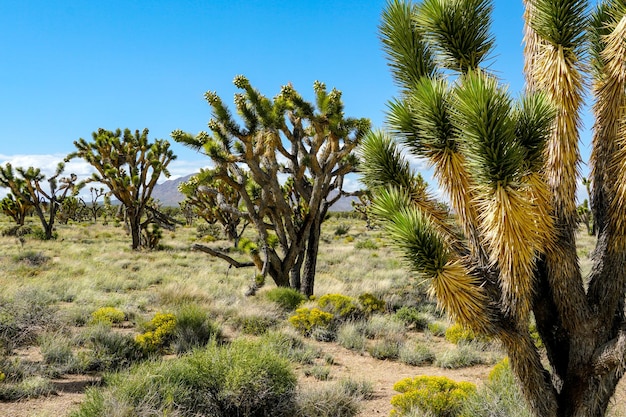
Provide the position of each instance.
(433, 136)
(560, 26)
(487, 130)
(409, 56)
(612, 89)
(458, 30)
(456, 291)
(534, 117)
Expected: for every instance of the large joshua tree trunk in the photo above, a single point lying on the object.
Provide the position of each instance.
(511, 170)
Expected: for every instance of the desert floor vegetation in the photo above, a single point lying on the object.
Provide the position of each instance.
(87, 318)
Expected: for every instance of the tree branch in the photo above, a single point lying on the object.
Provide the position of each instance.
(221, 255)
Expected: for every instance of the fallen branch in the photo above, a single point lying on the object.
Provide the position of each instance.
(221, 255)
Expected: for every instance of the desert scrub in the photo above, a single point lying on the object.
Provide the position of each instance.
(286, 298)
(254, 324)
(245, 378)
(321, 373)
(371, 304)
(384, 349)
(327, 401)
(458, 334)
(56, 350)
(412, 317)
(462, 356)
(106, 350)
(384, 326)
(290, 346)
(31, 387)
(339, 305)
(438, 395)
(437, 328)
(349, 335)
(159, 333)
(305, 320)
(500, 395)
(416, 354)
(194, 328)
(107, 315)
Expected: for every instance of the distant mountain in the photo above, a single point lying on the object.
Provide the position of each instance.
(169, 196)
(167, 192)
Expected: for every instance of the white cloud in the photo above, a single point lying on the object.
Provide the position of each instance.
(181, 168)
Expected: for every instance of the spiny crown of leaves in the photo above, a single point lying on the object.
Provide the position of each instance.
(482, 113)
(383, 163)
(458, 31)
(602, 22)
(403, 41)
(560, 22)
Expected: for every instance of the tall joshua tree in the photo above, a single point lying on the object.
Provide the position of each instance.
(287, 138)
(510, 169)
(130, 166)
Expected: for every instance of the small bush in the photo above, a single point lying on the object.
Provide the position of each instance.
(437, 329)
(287, 298)
(416, 354)
(462, 357)
(366, 244)
(56, 349)
(290, 347)
(371, 304)
(350, 337)
(321, 373)
(32, 387)
(341, 306)
(107, 315)
(244, 378)
(436, 394)
(458, 334)
(384, 326)
(254, 324)
(305, 320)
(330, 401)
(342, 229)
(193, 329)
(499, 397)
(361, 390)
(107, 350)
(159, 334)
(384, 349)
(412, 317)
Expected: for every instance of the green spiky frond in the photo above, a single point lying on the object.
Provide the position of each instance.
(560, 22)
(458, 31)
(456, 291)
(409, 56)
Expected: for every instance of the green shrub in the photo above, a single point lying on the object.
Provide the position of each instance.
(193, 328)
(328, 401)
(384, 349)
(412, 317)
(437, 328)
(436, 394)
(341, 306)
(499, 397)
(107, 350)
(254, 324)
(305, 320)
(462, 356)
(31, 387)
(56, 349)
(321, 373)
(287, 298)
(159, 334)
(384, 326)
(290, 347)
(361, 390)
(366, 244)
(342, 229)
(371, 304)
(458, 334)
(244, 378)
(107, 315)
(416, 354)
(350, 336)
(32, 258)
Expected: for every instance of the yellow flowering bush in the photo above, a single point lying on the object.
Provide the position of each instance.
(107, 315)
(340, 305)
(305, 319)
(160, 331)
(435, 394)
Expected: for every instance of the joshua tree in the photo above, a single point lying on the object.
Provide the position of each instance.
(26, 185)
(509, 168)
(285, 137)
(206, 195)
(16, 208)
(129, 166)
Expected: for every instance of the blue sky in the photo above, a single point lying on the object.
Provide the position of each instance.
(69, 68)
